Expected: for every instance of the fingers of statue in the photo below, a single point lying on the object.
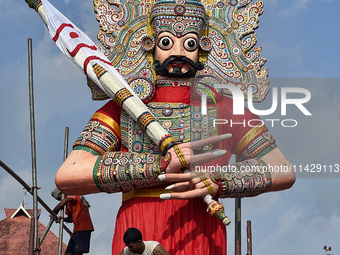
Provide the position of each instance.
(193, 188)
(185, 181)
(199, 185)
(196, 193)
(177, 177)
(196, 160)
(179, 187)
(182, 155)
(184, 186)
(209, 141)
(183, 190)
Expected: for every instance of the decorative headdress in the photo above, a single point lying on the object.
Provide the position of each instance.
(227, 40)
(179, 17)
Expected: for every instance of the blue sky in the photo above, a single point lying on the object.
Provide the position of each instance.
(299, 38)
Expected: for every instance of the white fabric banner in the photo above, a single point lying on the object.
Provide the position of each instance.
(76, 45)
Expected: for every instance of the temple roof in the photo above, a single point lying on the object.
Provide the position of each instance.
(15, 232)
(21, 211)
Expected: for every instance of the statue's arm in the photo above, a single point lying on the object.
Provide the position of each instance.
(75, 176)
(116, 171)
(283, 177)
(251, 177)
(84, 173)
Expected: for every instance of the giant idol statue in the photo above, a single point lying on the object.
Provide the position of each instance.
(171, 53)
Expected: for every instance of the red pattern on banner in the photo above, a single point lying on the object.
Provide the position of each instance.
(62, 26)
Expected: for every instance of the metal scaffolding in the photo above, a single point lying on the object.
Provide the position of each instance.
(35, 242)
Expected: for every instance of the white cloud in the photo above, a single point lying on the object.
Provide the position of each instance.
(301, 4)
(294, 9)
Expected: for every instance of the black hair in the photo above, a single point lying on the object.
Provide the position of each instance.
(132, 235)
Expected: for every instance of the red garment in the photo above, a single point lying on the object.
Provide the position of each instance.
(180, 226)
(80, 214)
(172, 94)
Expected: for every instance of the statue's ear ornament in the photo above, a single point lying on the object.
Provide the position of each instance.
(205, 43)
(148, 42)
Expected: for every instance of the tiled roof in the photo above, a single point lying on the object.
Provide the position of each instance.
(15, 232)
(20, 211)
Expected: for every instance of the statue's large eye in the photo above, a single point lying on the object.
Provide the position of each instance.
(165, 43)
(190, 44)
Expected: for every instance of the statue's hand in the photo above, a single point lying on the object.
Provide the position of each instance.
(183, 156)
(189, 185)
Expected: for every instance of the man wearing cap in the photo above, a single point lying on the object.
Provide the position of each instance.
(77, 210)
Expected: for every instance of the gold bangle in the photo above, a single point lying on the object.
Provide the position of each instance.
(210, 189)
(206, 182)
(180, 156)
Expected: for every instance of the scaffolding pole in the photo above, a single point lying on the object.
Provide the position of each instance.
(49, 225)
(249, 239)
(238, 226)
(60, 244)
(31, 242)
(237, 223)
(33, 147)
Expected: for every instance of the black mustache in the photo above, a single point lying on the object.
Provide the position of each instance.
(158, 66)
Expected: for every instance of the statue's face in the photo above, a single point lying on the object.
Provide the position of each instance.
(169, 46)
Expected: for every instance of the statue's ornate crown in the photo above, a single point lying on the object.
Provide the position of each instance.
(128, 29)
(178, 16)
